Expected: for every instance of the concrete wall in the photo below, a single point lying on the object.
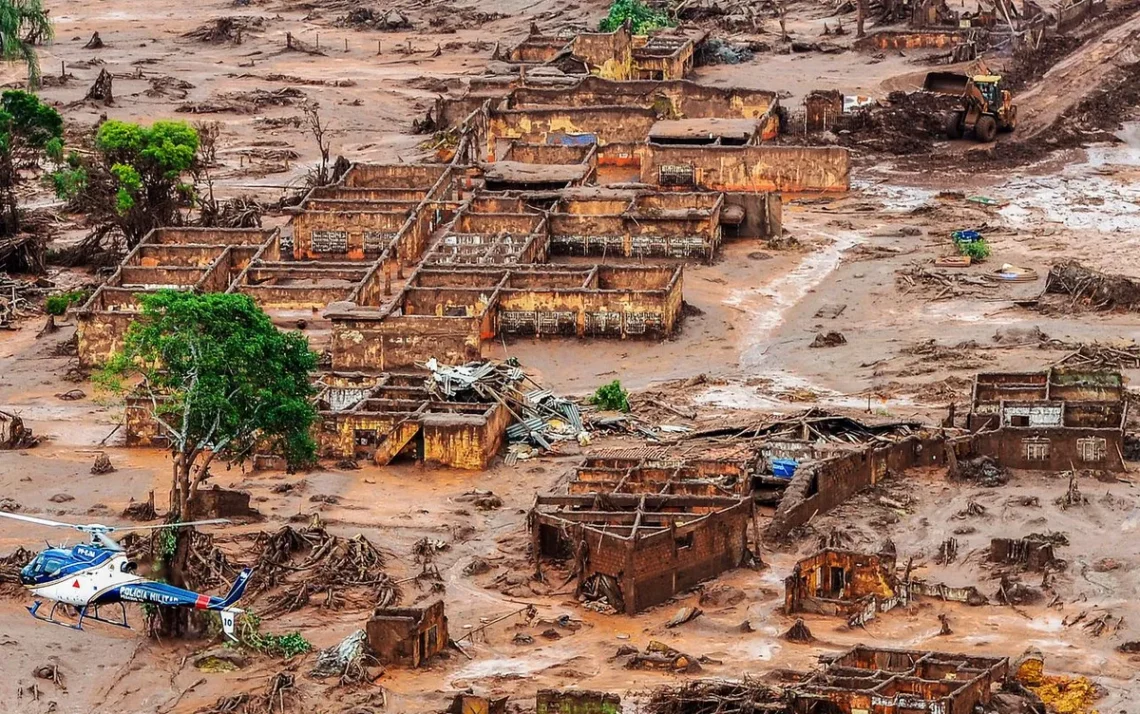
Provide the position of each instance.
(671, 562)
(364, 232)
(400, 342)
(605, 124)
(788, 169)
(891, 40)
(1058, 449)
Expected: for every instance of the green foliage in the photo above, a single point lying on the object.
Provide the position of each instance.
(229, 378)
(28, 130)
(22, 24)
(58, 304)
(167, 543)
(611, 397)
(642, 19)
(146, 166)
(284, 646)
(129, 185)
(978, 250)
(35, 121)
(68, 183)
(166, 148)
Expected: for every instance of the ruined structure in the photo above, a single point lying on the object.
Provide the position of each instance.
(379, 417)
(637, 551)
(841, 582)
(576, 701)
(204, 259)
(1052, 421)
(656, 471)
(407, 636)
(888, 681)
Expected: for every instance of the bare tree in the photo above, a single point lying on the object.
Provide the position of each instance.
(321, 176)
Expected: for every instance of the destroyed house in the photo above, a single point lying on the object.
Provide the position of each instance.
(637, 551)
(407, 636)
(866, 680)
(637, 224)
(656, 472)
(615, 55)
(845, 583)
(383, 417)
(447, 312)
(1053, 420)
(202, 259)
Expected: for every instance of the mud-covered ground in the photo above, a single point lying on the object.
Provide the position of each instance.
(853, 264)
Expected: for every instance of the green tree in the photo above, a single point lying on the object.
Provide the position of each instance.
(221, 380)
(29, 130)
(642, 19)
(23, 24)
(147, 167)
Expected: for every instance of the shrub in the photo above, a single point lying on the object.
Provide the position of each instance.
(611, 397)
(977, 250)
(58, 304)
(642, 18)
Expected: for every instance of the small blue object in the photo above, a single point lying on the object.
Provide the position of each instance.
(966, 236)
(784, 468)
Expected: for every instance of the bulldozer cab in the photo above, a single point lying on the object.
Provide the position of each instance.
(989, 87)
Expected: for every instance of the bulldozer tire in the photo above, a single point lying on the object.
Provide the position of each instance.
(954, 122)
(985, 129)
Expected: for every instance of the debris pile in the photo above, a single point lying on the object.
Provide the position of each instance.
(944, 284)
(658, 655)
(251, 102)
(1093, 289)
(225, 29)
(828, 339)
(799, 632)
(366, 17)
(1097, 355)
(984, 470)
(709, 695)
(10, 566)
(13, 433)
(301, 564)
(349, 661)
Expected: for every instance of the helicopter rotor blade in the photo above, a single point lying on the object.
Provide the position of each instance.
(39, 521)
(210, 522)
(108, 542)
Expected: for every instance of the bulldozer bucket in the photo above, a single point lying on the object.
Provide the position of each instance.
(946, 83)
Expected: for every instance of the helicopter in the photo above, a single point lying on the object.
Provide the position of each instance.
(99, 574)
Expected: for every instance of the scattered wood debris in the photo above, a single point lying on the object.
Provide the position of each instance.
(226, 29)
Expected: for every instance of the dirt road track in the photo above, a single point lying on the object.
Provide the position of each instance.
(1074, 77)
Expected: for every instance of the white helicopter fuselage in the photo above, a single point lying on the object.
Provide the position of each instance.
(81, 587)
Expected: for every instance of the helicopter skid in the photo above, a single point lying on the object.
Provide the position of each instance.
(83, 615)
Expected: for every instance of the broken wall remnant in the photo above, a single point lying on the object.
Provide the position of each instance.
(209, 503)
(1050, 420)
(840, 582)
(790, 169)
(821, 485)
(407, 636)
(637, 551)
(891, 681)
(576, 701)
(1030, 553)
(206, 259)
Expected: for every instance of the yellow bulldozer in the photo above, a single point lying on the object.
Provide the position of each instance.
(987, 108)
